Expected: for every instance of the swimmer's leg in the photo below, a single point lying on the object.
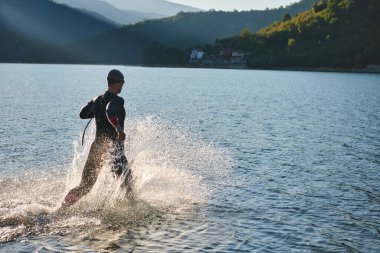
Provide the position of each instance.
(120, 168)
(89, 176)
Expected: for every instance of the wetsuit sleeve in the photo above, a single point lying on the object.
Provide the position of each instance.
(112, 109)
(87, 111)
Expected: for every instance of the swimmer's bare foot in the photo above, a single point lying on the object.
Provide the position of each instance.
(68, 201)
(60, 210)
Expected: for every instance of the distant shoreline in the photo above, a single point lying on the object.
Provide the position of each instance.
(372, 69)
(340, 70)
(326, 69)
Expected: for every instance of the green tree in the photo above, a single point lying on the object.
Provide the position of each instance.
(319, 6)
(291, 42)
(286, 17)
(245, 33)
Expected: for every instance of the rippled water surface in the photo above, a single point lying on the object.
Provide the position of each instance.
(223, 161)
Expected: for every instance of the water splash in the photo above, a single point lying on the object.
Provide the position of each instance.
(173, 170)
(172, 167)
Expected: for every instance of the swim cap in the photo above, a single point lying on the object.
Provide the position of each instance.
(115, 74)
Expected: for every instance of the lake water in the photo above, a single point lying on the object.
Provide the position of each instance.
(223, 161)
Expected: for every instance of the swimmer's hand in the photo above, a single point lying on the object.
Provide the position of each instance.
(120, 133)
(115, 122)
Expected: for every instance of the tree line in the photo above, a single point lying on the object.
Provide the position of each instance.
(332, 34)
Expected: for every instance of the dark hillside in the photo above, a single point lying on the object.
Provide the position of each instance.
(34, 30)
(103, 8)
(126, 45)
(335, 33)
(16, 48)
(49, 22)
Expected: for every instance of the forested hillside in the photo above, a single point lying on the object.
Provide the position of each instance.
(43, 31)
(334, 33)
(126, 45)
(20, 49)
(50, 22)
(35, 30)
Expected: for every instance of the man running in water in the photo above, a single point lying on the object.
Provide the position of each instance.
(109, 113)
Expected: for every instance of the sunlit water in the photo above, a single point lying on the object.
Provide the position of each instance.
(223, 161)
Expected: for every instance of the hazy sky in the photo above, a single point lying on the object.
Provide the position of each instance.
(234, 4)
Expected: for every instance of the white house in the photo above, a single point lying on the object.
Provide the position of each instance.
(197, 54)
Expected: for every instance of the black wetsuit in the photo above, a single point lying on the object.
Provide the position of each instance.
(106, 144)
(102, 108)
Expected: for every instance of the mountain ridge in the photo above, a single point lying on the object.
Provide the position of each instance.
(35, 30)
(48, 21)
(128, 44)
(109, 11)
(182, 31)
(164, 7)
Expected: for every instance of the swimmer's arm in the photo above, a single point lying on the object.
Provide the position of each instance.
(111, 112)
(115, 122)
(87, 112)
